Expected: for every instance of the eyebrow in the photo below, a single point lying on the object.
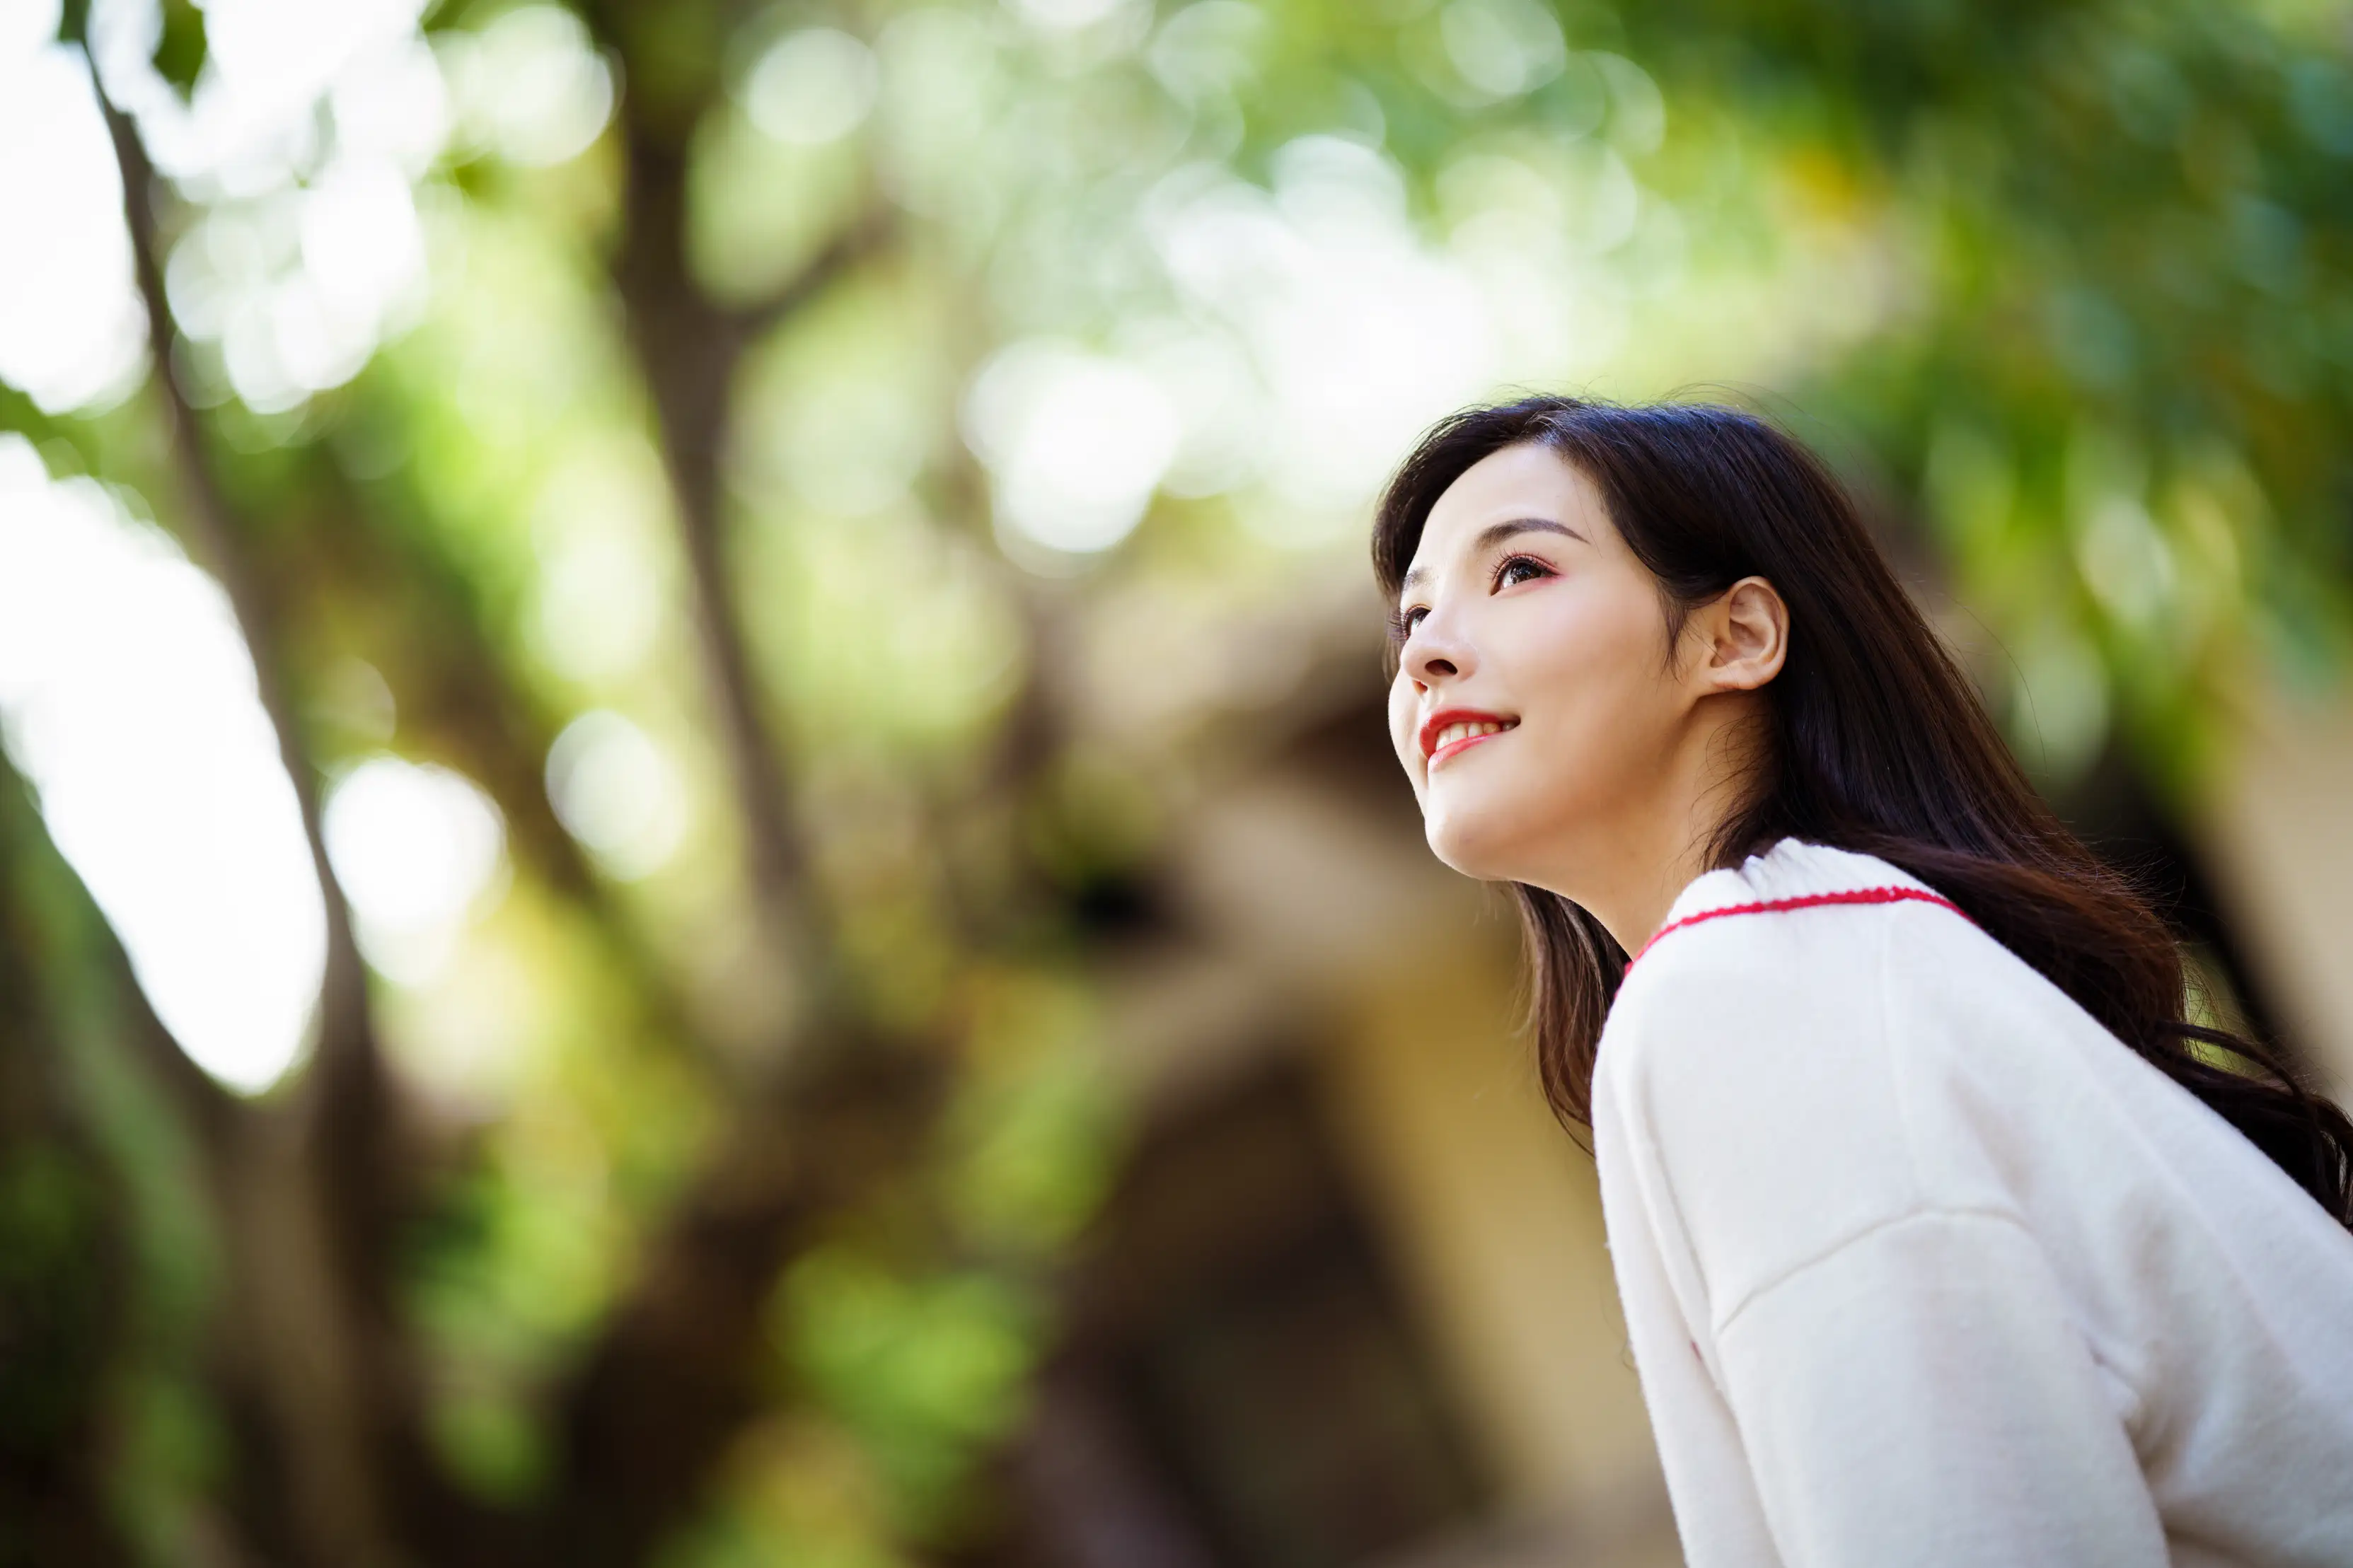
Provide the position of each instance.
(1495, 533)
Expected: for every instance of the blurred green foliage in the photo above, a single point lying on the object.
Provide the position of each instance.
(108, 1265)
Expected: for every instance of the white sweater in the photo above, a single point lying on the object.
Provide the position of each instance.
(1922, 1267)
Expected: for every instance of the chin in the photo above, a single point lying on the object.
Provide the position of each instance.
(1467, 842)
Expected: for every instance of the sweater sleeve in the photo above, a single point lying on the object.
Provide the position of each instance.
(1903, 1371)
(1919, 1395)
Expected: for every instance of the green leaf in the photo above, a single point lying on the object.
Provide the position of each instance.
(180, 54)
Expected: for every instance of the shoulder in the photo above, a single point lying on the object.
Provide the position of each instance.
(1844, 956)
(1765, 982)
(1793, 944)
(1759, 1058)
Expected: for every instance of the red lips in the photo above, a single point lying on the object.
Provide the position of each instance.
(1437, 722)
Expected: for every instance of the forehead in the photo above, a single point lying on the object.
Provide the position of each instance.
(1522, 482)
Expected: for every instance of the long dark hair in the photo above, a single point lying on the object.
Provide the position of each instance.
(1878, 743)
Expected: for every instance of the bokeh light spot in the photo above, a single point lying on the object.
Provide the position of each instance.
(530, 87)
(813, 86)
(616, 791)
(129, 701)
(1075, 441)
(415, 846)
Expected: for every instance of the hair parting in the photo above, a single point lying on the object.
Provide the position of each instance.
(1878, 742)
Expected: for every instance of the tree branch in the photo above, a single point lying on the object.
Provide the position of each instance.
(676, 1369)
(336, 1287)
(873, 233)
(346, 1038)
(688, 350)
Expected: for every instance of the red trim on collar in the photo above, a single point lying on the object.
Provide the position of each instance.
(1809, 900)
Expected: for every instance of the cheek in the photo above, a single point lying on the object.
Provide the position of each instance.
(1403, 709)
(1603, 702)
(1594, 718)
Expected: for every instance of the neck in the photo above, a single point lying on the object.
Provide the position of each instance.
(1629, 869)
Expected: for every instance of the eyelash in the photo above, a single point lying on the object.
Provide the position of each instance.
(1508, 561)
(1402, 622)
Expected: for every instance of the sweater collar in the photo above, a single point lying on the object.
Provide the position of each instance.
(1791, 868)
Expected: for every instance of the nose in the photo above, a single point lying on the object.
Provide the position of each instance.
(1435, 652)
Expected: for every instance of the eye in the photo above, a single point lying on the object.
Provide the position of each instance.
(1402, 623)
(1515, 569)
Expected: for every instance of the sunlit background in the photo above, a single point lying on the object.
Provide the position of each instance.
(698, 865)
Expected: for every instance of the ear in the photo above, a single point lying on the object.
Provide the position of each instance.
(1743, 635)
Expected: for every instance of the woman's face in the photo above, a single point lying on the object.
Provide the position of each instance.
(1535, 706)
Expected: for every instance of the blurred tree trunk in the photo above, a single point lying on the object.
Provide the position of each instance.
(65, 1226)
(311, 1365)
(317, 1375)
(834, 1110)
(688, 349)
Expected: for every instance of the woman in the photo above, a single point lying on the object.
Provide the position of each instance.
(1944, 1236)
